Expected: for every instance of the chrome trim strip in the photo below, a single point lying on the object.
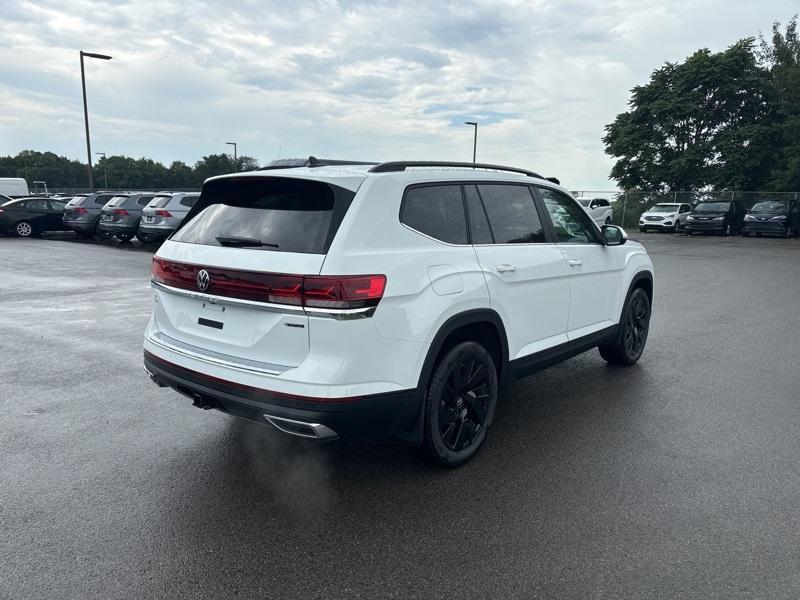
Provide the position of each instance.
(215, 358)
(319, 431)
(342, 314)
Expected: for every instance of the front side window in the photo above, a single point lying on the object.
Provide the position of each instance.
(512, 214)
(437, 211)
(571, 224)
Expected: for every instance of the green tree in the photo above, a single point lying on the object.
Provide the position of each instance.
(220, 164)
(697, 124)
(782, 58)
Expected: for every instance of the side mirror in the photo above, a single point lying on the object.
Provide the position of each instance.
(614, 235)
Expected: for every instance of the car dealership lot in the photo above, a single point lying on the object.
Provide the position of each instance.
(677, 477)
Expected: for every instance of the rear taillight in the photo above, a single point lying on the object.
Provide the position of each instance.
(79, 210)
(120, 211)
(163, 213)
(312, 291)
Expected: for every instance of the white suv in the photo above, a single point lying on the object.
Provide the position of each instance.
(666, 216)
(388, 299)
(599, 209)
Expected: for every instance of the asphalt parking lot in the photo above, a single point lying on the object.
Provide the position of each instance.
(676, 478)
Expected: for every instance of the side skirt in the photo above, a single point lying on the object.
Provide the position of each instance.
(528, 365)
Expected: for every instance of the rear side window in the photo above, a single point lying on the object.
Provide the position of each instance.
(159, 201)
(189, 201)
(437, 211)
(478, 221)
(272, 213)
(512, 214)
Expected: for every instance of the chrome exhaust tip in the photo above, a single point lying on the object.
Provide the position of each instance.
(316, 431)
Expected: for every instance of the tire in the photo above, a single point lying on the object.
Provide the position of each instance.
(631, 338)
(643, 229)
(104, 235)
(145, 238)
(124, 237)
(726, 229)
(676, 227)
(460, 404)
(24, 229)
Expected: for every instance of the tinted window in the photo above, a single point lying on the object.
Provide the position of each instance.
(103, 198)
(478, 222)
(436, 211)
(571, 224)
(36, 204)
(159, 201)
(285, 215)
(189, 201)
(57, 205)
(77, 201)
(117, 201)
(512, 214)
(144, 200)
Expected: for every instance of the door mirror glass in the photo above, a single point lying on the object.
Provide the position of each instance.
(613, 235)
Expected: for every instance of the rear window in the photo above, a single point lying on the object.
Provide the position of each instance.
(103, 198)
(143, 200)
(77, 201)
(117, 201)
(285, 215)
(189, 201)
(159, 201)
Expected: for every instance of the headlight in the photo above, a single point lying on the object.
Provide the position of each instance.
(690, 218)
(779, 218)
(749, 218)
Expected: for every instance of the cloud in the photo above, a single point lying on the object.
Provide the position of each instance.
(351, 78)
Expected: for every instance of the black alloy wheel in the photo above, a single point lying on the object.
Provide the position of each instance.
(462, 398)
(124, 237)
(631, 337)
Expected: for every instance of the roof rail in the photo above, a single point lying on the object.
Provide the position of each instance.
(311, 162)
(392, 167)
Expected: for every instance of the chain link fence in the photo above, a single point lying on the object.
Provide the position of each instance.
(629, 206)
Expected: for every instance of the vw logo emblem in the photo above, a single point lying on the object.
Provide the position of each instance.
(203, 279)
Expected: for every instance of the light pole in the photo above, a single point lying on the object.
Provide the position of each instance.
(234, 153)
(105, 168)
(474, 139)
(86, 111)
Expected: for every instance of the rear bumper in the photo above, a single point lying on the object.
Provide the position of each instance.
(117, 228)
(161, 230)
(390, 413)
(80, 226)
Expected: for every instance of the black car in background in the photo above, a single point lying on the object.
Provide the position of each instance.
(722, 217)
(30, 216)
(777, 217)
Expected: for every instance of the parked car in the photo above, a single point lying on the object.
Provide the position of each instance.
(665, 216)
(362, 300)
(30, 216)
(781, 217)
(724, 217)
(598, 208)
(13, 187)
(163, 215)
(121, 215)
(82, 213)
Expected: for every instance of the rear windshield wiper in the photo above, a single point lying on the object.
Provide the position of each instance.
(242, 242)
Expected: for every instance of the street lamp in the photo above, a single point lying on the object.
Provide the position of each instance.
(105, 168)
(474, 139)
(86, 111)
(234, 152)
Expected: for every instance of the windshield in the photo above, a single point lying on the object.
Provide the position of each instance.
(275, 214)
(776, 206)
(712, 207)
(664, 208)
(117, 201)
(159, 201)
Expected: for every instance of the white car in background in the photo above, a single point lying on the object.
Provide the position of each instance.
(666, 216)
(598, 208)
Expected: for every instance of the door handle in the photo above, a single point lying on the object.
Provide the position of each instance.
(574, 262)
(506, 268)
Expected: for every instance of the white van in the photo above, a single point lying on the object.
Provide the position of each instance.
(14, 187)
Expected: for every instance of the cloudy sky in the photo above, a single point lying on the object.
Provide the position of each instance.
(350, 79)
